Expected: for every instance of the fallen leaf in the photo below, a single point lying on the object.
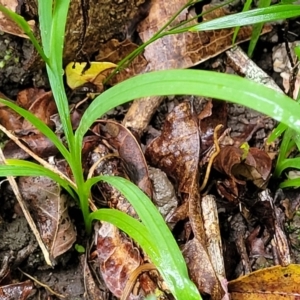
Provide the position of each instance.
(20, 291)
(37, 143)
(178, 51)
(114, 51)
(117, 256)
(8, 25)
(77, 75)
(164, 195)
(176, 152)
(130, 151)
(36, 101)
(255, 167)
(49, 208)
(270, 283)
(117, 253)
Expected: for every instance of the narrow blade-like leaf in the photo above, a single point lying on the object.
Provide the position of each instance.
(259, 15)
(193, 82)
(41, 126)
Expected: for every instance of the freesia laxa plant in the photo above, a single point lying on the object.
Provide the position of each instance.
(151, 230)
(290, 143)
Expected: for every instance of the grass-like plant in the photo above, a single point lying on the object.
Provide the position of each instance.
(290, 144)
(151, 233)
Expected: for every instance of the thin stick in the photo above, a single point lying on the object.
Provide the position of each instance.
(43, 285)
(26, 213)
(37, 158)
(214, 155)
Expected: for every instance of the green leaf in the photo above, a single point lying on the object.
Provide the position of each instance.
(131, 226)
(290, 183)
(21, 22)
(277, 132)
(257, 28)
(246, 7)
(16, 167)
(259, 15)
(285, 147)
(53, 18)
(45, 21)
(297, 51)
(171, 263)
(287, 163)
(193, 82)
(79, 248)
(40, 125)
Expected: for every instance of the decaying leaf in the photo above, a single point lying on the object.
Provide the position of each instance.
(42, 105)
(164, 195)
(114, 51)
(49, 208)
(20, 291)
(117, 256)
(7, 24)
(270, 284)
(37, 143)
(130, 151)
(176, 152)
(255, 167)
(177, 51)
(38, 102)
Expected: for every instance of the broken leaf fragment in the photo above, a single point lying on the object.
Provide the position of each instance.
(78, 74)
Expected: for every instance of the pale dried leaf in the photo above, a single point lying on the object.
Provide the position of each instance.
(49, 208)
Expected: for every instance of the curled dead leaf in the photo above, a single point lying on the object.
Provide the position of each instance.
(255, 167)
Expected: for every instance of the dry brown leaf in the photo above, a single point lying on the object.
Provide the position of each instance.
(176, 152)
(130, 151)
(117, 254)
(41, 104)
(10, 119)
(49, 208)
(7, 24)
(114, 51)
(187, 49)
(20, 291)
(273, 283)
(177, 51)
(255, 167)
(38, 102)
(37, 143)
(117, 257)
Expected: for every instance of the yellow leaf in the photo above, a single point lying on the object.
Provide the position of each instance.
(76, 77)
(273, 283)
